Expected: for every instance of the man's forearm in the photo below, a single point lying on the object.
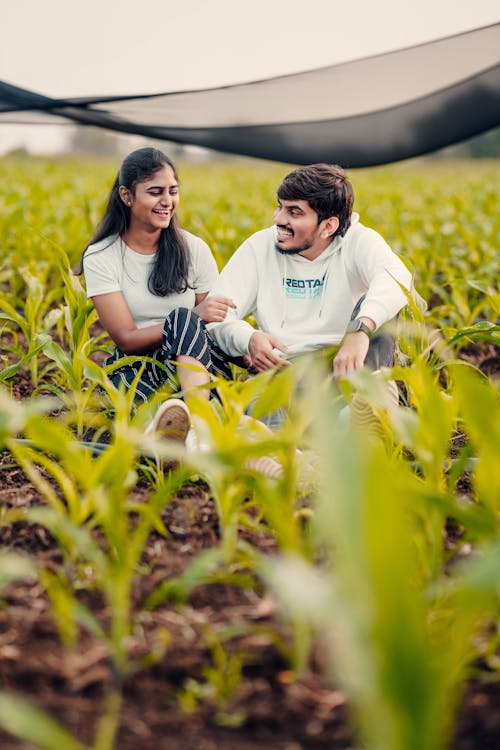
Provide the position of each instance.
(232, 336)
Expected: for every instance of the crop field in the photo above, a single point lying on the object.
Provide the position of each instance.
(353, 602)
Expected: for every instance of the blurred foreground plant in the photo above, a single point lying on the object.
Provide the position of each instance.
(396, 638)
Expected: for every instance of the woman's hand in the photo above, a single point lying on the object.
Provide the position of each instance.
(212, 309)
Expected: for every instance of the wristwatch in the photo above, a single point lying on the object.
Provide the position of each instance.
(358, 325)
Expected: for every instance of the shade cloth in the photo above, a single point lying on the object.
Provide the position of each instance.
(368, 111)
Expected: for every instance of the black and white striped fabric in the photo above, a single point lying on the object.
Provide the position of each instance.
(184, 333)
(367, 111)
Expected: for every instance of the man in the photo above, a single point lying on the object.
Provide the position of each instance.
(317, 278)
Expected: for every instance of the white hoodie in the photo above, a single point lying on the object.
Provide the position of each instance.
(307, 304)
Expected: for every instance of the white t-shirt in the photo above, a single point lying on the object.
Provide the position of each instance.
(111, 266)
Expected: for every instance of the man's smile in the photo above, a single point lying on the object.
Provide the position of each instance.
(284, 233)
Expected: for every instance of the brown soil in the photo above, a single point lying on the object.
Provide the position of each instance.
(271, 709)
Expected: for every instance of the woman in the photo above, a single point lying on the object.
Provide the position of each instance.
(149, 281)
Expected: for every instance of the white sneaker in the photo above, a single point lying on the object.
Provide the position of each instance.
(172, 420)
(266, 466)
(193, 443)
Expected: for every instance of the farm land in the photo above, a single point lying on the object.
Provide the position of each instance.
(353, 603)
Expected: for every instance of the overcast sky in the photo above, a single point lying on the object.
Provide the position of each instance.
(69, 48)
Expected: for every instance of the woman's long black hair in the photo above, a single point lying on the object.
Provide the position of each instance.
(171, 265)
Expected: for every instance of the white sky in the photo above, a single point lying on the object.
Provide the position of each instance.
(94, 47)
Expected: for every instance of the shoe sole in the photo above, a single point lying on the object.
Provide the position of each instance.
(365, 419)
(174, 423)
(266, 466)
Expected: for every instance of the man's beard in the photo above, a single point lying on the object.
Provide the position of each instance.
(295, 251)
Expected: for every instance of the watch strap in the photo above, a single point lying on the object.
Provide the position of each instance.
(357, 325)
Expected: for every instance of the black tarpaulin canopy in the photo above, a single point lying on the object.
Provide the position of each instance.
(364, 112)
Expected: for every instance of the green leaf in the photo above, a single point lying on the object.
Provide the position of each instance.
(22, 719)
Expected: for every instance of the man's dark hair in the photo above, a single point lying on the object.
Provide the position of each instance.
(327, 190)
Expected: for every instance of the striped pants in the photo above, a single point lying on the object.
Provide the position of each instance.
(184, 333)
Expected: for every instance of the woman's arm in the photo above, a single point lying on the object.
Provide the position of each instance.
(115, 317)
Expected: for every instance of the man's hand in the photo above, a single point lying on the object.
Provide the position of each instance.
(260, 350)
(213, 309)
(352, 353)
(353, 350)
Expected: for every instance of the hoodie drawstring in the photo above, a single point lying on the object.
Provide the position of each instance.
(323, 288)
(283, 291)
(326, 276)
(283, 263)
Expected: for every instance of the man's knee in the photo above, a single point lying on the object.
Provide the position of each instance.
(381, 351)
